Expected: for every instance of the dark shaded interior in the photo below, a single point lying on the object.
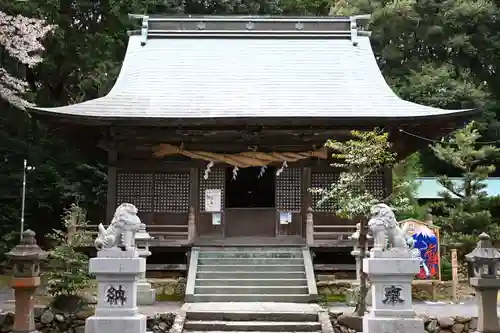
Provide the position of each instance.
(248, 190)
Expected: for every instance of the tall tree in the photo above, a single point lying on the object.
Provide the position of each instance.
(20, 45)
(464, 212)
(439, 53)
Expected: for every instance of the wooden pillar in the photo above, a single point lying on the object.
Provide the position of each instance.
(111, 195)
(309, 227)
(191, 225)
(194, 202)
(306, 197)
(454, 275)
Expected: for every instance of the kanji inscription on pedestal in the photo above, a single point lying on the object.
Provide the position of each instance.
(116, 295)
(392, 295)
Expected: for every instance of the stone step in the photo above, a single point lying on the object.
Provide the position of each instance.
(250, 261)
(250, 275)
(191, 331)
(250, 268)
(284, 298)
(229, 290)
(252, 282)
(252, 326)
(250, 254)
(237, 315)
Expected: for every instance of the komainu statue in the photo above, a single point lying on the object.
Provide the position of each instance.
(385, 229)
(121, 231)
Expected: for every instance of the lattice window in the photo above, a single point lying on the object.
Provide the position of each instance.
(322, 180)
(289, 190)
(171, 193)
(375, 184)
(135, 188)
(216, 180)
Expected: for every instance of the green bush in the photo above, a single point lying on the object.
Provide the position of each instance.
(446, 274)
(67, 272)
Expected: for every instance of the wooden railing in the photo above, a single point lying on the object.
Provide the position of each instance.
(169, 235)
(328, 235)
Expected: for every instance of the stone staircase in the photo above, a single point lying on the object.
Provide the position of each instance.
(251, 317)
(251, 274)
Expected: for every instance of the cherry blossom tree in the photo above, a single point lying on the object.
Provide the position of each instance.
(20, 37)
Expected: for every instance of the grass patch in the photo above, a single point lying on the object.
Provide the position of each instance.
(4, 280)
(339, 298)
(169, 298)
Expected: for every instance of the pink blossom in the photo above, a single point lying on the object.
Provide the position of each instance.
(21, 38)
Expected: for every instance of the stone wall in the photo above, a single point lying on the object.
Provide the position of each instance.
(349, 324)
(169, 289)
(337, 290)
(51, 321)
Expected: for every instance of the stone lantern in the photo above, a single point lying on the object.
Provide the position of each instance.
(25, 259)
(484, 260)
(146, 295)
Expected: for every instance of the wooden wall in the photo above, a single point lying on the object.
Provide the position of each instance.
(163, 191)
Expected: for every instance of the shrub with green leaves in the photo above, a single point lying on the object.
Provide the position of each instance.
(67, 272)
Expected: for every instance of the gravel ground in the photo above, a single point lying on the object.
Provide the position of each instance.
(437, 309)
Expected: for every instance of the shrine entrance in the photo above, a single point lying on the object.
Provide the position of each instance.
(250, 202)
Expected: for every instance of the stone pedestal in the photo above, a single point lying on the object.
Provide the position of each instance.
(391, 273)
(352, 293)
(146, 295)
(116, 311)
(486, 295)
(24, 289)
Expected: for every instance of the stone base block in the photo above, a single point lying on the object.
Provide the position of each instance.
(146, 296)
(385, 325)
(135, 324)
(351, 296)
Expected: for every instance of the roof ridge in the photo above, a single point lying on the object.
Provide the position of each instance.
(337, 27)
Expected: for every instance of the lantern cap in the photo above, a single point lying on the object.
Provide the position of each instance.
(484, 250)
(27, 250)
(142, 234)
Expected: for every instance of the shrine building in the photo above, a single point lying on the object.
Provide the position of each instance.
(215, 127)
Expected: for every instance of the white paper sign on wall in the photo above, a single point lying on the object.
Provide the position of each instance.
(213, 200)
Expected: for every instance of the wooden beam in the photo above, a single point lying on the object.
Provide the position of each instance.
(243, 135)
(162, 165)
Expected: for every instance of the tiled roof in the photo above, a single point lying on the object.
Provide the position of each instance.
(243, 76)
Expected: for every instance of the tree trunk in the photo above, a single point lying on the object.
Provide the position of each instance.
(360, 308)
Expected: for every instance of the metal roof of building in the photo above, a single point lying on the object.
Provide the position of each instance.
(312, 71)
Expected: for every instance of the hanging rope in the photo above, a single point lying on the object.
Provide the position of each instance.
(240, 160)
(438, 141)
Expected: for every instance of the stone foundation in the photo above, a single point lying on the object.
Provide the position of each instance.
(349, 324)
(51, 321)
(169, 289)
(339, 290)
